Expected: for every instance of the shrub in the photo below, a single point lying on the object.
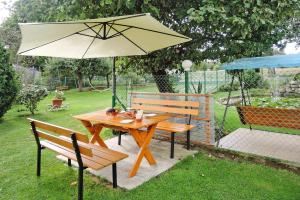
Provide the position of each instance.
(60, 95)
(30, 95)
(8, 82)
(226, 87)
(297, 77)
(253, 79)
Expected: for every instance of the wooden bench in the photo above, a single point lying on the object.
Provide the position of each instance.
(75, 146)
(170, 103)
(62, 88)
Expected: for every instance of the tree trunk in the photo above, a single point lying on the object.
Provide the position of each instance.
(91, 78)
(107, 80)
(163, 82)
(80, 81)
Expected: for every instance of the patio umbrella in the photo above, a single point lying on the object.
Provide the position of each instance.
(93, 38)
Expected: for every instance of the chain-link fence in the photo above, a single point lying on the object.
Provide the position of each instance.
(52, 83)
(262, 114)
(262, 111)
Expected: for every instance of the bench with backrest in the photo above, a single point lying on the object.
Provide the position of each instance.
(184, 106)
(62, 88)
(75, 146)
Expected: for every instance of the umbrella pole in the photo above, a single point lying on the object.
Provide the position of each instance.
(114, 87)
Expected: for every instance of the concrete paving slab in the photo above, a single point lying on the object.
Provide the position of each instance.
(160, 151)
(264, 143)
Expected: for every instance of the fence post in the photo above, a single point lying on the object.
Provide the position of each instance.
(217, 77)
(204, 81)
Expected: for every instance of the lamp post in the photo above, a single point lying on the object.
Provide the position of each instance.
(186, 64)
(114, 87)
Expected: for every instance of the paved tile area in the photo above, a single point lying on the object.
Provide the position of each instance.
(161, 153)
(264, 143)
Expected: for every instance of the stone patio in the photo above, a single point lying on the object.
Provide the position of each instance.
(160, 151)
(264, 143)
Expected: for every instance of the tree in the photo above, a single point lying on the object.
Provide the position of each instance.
(8, 82)
(171, 13)
(221, 30)
(59, 68)
(234, 29)
(97, 67)
(30, 96)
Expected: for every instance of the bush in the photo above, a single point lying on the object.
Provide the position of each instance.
(8, 83)
(226, 87)
(60, 95)
(297, 77)
(30, 95)
(253, 79)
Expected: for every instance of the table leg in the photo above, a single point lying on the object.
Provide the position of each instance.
(143, 143)
(140, 140)
(95, 131)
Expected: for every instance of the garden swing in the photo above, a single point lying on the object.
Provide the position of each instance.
(262, 116)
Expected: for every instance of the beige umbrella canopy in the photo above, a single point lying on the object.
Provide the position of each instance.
(93, 38)
(105, 37)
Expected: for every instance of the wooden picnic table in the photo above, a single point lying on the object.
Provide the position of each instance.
(142, 132)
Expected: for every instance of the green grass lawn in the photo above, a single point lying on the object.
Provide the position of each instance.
(199, 177)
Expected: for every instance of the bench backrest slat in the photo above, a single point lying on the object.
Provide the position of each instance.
(183, 111)
(65, 143)
(178, 103)
(59, 130)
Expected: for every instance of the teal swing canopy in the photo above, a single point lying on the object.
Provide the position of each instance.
(286, 61)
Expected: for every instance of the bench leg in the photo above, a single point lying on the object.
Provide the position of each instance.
(172, 144)
(119, 138)
(188, 140)
(80, 183)
(114, 175)
(69, 162)
(38, 164)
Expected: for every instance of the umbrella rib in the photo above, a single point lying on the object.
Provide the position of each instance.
(88, 35)
(45, 23)
(118, 33)
(108, 31)
(139, 15)
(91, 43)
(55, 40)
(97, 34)
(145, 29)
(130, 41)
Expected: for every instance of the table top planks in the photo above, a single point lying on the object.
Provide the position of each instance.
(100, 117)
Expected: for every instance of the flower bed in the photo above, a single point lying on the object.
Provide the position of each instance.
(280, 102)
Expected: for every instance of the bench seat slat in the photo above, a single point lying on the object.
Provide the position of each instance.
(174, 127)
(66, 152)
(109, 157)
(102, 152)
(91, 162)
(62, 142)
(109, 154)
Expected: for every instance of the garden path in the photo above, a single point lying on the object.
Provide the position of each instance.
(264, 143)
(160, 151)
